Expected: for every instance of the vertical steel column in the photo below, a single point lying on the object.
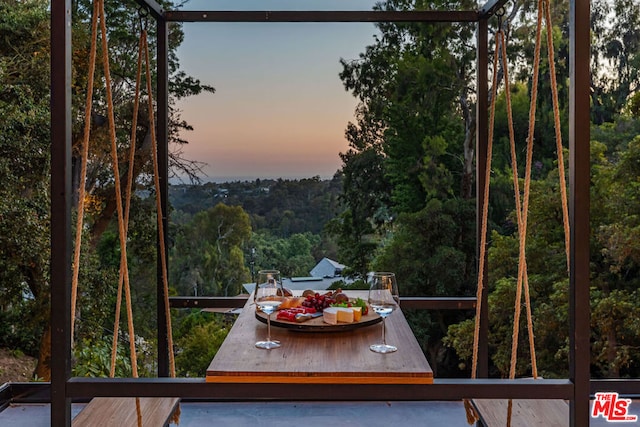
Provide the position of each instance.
(61, 196)
(162, 133)
(579, 167)
(482, 63)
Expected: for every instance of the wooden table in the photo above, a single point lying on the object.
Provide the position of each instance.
(319, 357)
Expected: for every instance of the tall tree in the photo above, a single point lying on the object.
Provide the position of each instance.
(24, 134)
(208, 257)
(616, 57)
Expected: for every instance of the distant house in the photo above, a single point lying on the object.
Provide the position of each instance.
(323, 275)
(327, 268)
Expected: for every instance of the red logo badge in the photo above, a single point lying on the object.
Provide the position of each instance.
(612, 408)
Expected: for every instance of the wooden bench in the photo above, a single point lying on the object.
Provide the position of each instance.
(121, 412)
(525, 412)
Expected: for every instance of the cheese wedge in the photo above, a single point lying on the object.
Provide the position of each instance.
(335, 315)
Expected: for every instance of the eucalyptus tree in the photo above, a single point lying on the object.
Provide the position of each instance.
(24, 172)
(25, 162)
(208, 257)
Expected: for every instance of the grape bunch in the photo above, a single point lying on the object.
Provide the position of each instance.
(319, 302)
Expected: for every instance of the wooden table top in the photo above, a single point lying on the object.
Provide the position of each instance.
(319, 357)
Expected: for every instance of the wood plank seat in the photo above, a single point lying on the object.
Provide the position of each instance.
(121, 411)
(525, 413)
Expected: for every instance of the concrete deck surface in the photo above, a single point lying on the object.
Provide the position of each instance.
(293, 414)
(281, 414)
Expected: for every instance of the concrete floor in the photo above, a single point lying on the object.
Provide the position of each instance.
(281, 414)
(287, 414)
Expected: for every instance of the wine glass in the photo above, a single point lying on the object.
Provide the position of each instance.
(383, 299)
(267, 299)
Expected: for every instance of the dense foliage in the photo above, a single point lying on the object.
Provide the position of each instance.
(403, 199)
(25, 172)
(409, 205)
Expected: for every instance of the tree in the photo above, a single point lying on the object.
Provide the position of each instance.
(614, 272)
(616, 57)
(432, 256)
(25, 169)
(24, 172)
(208, 257)
(199, 336)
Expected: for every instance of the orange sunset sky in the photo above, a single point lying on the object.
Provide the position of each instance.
(280, 109)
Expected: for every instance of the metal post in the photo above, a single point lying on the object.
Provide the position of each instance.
(579, 167)
(481, 164)
(60, 211)
(162, 133)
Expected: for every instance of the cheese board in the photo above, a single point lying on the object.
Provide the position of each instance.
(314, 304)
(317, 324)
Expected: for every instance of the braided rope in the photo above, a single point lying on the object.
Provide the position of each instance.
(522, 214)
(156, 179)
(521, 211)
(83, 167)
(472, 415)
(118, 193)
(556, 118)
(485, 214)
(132, 152)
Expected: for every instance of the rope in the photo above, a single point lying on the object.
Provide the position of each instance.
(521, 211)
(156, 180)
(556, 118)
(522, 214)
(472, 415)
(123, 213)
(132, 152)
(122, 232)
(118, 196)
(83, 167)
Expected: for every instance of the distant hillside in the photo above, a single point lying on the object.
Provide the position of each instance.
(284, 207)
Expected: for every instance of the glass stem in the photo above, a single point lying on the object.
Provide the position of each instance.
(384, 341)
(269, 327)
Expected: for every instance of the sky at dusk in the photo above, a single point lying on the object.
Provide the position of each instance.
(280, 109)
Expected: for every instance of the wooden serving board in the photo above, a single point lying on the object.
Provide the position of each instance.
(317, 324)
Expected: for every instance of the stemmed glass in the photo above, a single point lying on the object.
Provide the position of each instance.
(383, 299)
(267, 299)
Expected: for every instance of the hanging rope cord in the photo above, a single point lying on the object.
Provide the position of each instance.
(472, 415)
(132, 152)
(521, 212)
(98, 14)
(123, 213)
(122, 232)
(156, 179)
(83, 167)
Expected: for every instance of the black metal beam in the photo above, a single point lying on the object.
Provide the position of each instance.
(321, 16)
(162, 135)
(61, 197)
(441, 389)
(579, 204)
(626, 387)
(482, 143)
(152, 7)
(39, 392)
